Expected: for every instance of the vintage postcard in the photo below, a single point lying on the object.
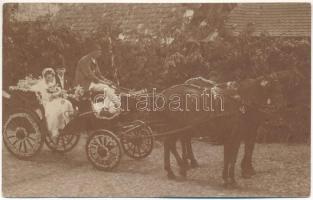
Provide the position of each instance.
(156, 99)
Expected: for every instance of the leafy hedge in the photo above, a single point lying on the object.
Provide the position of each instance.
(147, 61)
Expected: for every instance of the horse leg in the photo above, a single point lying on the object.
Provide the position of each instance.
(246, 164)
(232, 161)
(231, 148)
(184, 151)
(180, 162)
(167, 162)
(226, 164)
(247, 169)
(191, 156)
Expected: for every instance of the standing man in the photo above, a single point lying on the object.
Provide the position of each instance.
(62, 78)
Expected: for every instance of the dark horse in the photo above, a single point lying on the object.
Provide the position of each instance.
(236, 122)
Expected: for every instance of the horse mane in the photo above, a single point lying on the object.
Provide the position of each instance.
(190, 86)
(200, 79)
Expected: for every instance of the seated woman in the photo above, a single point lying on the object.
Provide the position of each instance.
(58, 110)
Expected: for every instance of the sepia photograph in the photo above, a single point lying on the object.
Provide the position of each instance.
(156, 99)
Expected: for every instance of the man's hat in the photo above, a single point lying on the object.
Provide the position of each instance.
(95, 47)
(60, 67)
(47, 70)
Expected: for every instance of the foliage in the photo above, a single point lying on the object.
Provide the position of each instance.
(193, 46)
(31, 46)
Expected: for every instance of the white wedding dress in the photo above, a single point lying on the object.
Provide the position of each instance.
(57, 109)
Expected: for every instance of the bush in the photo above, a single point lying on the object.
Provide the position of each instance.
(29, 47)
(149, 61)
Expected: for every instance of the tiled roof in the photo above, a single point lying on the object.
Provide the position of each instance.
(142, 17)
(32, 11)
(275, 19)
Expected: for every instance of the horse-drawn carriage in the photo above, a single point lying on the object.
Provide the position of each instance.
(25, 130)
(247, 101)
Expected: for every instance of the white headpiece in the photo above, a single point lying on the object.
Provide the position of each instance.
(46, 70)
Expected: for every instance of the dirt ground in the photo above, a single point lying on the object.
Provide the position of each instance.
(282, 171)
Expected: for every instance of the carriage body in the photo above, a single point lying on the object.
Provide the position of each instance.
(119, 131)
(24, 128)
(14, 99)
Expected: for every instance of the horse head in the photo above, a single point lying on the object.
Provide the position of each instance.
(267, 92)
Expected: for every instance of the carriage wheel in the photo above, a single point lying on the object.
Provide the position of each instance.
(22, 134)
(138, 143)
(63, 143)
(104, 150)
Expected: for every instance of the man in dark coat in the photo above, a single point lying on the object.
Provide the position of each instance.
(89, 77)
(62, 78)
(88, 71)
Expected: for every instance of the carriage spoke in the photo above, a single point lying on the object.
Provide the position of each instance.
(137, 149)
(20, 146)
(31, 145)
(105, 141)
(11, 132)
(64, 138)
(69, 138)
(98, 141)
(63, 143)
(11, 136)
(25, 146)
(98, 159)
(133, 147)
(104, 150)
(33, 139)
(22, 135)
(57, 140)
(133, 150)
(138, 143)
(15, 142)
(130, 145)
(32, 133)
(93, 145)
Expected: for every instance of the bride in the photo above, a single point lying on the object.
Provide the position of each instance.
(57, 109)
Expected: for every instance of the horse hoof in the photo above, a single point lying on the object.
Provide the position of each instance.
(183, 173)
(230, 184)
(171, 176)
(248, 174)
(225, 184)
(194, 164)
(233, 183)
(252, 172)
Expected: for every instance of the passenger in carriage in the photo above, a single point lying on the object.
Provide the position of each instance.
(88, 76)
(62, 78)
(57, 109)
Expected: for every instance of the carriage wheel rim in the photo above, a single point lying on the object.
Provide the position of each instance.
(141, 147)
(63, 143)
(104, 150)
(20, 141)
